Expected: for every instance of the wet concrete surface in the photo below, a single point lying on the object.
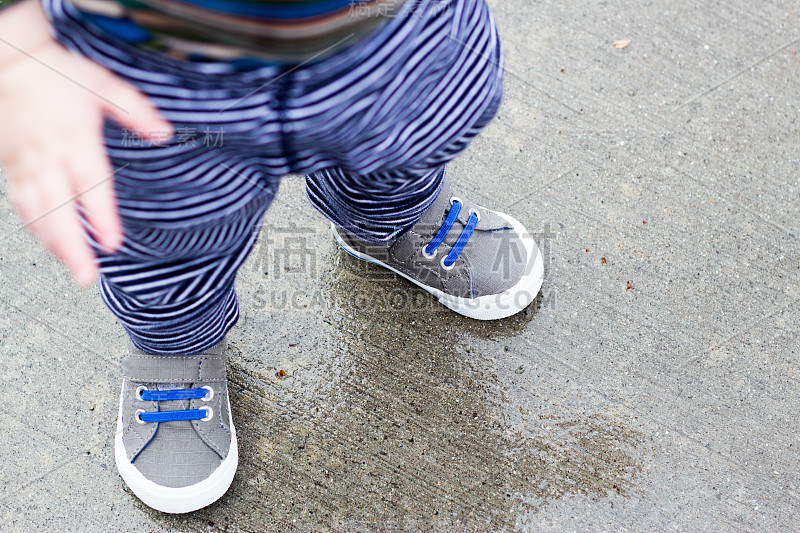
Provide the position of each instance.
(387, 417)
(653, 386)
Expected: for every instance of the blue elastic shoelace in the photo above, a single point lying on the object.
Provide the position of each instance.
(461, 242)
(175, 394)
(170, 416)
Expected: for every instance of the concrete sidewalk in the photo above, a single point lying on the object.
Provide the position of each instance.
(654, 386)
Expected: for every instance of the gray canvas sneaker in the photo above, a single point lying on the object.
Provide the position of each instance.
(477, 262)
(175, 444)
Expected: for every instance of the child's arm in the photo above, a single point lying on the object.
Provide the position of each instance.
(52, 106)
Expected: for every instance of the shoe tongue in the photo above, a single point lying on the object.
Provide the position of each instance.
(438, 211)
(169, 405)
(434, 216)
(174, 386)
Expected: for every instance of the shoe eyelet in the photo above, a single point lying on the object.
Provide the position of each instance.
(454, 199)
(210, 414)
(138, 416)
(139, 390)
(208, 397)
(471, 211)
(429, 256)
(445, 267)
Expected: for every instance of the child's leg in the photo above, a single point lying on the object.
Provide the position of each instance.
(419, 94)
(173, 288)
(190, 207)
(190, 219)
(375, 210)
(477, 262)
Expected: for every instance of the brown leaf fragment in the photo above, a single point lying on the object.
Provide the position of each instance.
(603, 260)
(628, 286)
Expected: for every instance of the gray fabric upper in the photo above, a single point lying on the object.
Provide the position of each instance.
(181, 453)
(493, 261)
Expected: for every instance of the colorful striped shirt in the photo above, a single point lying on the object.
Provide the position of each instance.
(285, 31)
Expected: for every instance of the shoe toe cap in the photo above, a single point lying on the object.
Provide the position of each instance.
(499, 264)
(177, 457)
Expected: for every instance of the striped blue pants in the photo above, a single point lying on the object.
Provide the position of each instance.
(371, 126)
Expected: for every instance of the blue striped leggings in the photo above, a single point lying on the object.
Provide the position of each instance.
(371, 126)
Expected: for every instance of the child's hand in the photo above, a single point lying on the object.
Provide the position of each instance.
(52, 106)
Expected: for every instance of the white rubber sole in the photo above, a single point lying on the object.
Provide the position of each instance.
(490, 307)
(171, 499)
